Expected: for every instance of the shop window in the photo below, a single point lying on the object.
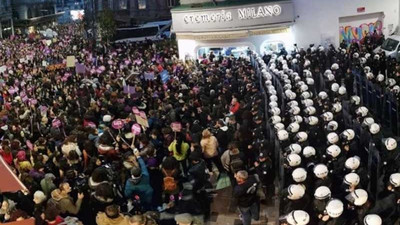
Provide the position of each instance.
(123, 4)
(142, 4)
(272, 46)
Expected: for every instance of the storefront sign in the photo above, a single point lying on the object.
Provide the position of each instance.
(232, 18)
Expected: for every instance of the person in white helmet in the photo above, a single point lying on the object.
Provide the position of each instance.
(372, 219)
(357, 206)
(322, 195)
(390, 156)
(295, 217)
(333, 213)
(321, 173)
(296, 198)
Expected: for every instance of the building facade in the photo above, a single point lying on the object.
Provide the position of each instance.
(6, 22)
(73, 10)
(134, 12)
(263, 25)
(31, 15)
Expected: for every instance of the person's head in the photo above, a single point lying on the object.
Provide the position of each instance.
(137, 220)
(206, 133)
(184, 219)
(18, 215)
(112, 211)
(39, 197)
(51, 212)
(65, 188)
(241, 176)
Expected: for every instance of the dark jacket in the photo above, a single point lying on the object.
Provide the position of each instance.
(246, 193)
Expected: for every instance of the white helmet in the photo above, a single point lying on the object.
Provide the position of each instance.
(293, 103)
(376, 56)
(322, 192)
(294, 148)
(327, 116)
(367, 69)
(351, 179)
(327, 72)
(276, 119)
(321, 171)
(333, 151)
(312, 120)
(358, 197)
(332, 126)
(295, 110)
(332, 138)
(309, 81)
(299, 175)
(297, 119)
(293, 159)
(352, 163)
(380, 78)
(362, 111)
(337, 107)
(298, 217)
(390, 144)
(335, 87)
(363, 60)
(279, 126)
(305, 95)
(283, 135)
(275, 111)
(370, 76)
(287, 87)
(301, 136)
(372, 219)
(296, 191)
(309, 151)
(307, 102)
(342, 90)
(273, 98)
(272, 92)
(355, 100)
(304, 87)
(334, 208)
(323, 95)
(331, 77)
(273, 104)
(374, 128)
(392, 82)
(310, 110)
(368, 121)
(395, 179)
(355, 55)
(348, 134)
(396, 89)
(335, 66)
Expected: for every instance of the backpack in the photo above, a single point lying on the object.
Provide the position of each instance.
(170, 184)
(236, 163)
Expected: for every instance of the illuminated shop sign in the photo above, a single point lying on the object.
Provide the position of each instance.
(226, 16)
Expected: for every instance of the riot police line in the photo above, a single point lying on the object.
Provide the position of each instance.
(335, 164)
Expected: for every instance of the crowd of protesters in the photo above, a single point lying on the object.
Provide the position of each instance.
(75, 140)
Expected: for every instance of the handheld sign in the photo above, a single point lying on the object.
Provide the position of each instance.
(117, 124)
(176, 127)
(136, 129)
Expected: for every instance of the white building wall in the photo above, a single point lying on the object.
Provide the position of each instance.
(318, 20)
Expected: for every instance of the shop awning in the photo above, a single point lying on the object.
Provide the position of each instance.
(9, 182)
(231, 34)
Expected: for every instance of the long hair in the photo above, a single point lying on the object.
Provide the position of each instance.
(178, 144)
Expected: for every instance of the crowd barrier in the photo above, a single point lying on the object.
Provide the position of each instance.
(381, 103)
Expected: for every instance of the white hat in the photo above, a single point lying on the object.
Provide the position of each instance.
(322, 192)
(334, 208)
(327, 116)
(372, 219)
(362, 111)
(348, 134)
(298, 217)
(337, 107)
(368, 121)
(309, 151)
(310, 110)
(293, 159)
(342, 90)
(332, 126)
(299, 175)
(335, 87)
(321, 171)
(322, 95)
(312, 120)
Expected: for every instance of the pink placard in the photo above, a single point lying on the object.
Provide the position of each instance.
(136, 129)
(176, 126)
(135, 110)
(117, 124)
